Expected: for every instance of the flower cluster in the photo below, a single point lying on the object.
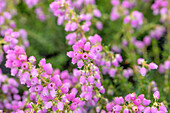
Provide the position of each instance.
(46, 87)
(12, 39)
(5, 18)
(145, 66)
(160, 6)
(120, 9)
(6, 22)
(108, 62)
(38, 10)
(158, 32)
(85, 50)
(134, 103)
(135, 19)
(127, 72)
(40, 14)
(91, 86)
(89, 10)
(11, 99)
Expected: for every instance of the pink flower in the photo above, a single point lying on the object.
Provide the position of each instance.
(84, 56)
(24, 66)
(64, 89)
(97, 13)
(143, 71)
(154, 110)
(80, 64)
(97, 75)
(117, 108)
(91, 79)
(133, 96)
(70, 96)
(163, 108)
(38, 88)
(99, 25)
(153, 66)
(147, 110)
(146, 102)
(102, 90)
(112, 72)
(137, 101)
(51, 86)
(16, 63)
(126, 19)
(156, 95)
(109, 106)
(140, 60)
(34, 81)
(126, 110)
(73, 106)
(48, 68)
(135, 108)
(88, 96)
(141, 97)
(82, 80)
(87, 46)
(48, 105)
(14, 71)
(119, 100)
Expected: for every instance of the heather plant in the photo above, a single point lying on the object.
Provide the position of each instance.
(84, 56)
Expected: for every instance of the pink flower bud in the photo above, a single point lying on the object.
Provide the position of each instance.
(146, 102)
(133, 96)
